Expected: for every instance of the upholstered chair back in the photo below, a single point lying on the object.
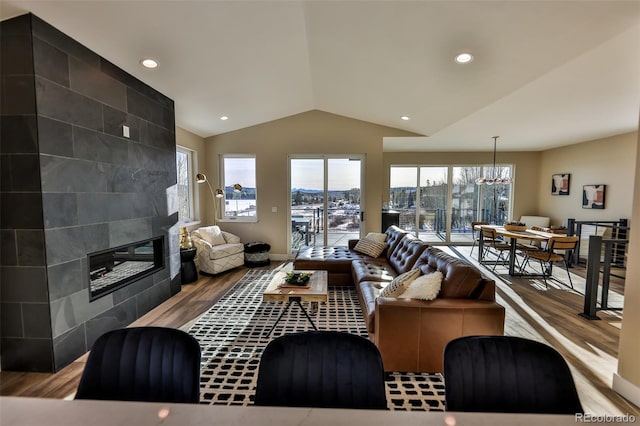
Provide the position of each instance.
(150, 364)
(326, 369)
(506, 374)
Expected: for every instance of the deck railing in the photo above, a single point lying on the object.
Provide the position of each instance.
(434, 220)
(308, 225)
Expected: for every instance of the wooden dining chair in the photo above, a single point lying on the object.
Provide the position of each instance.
(550, 254)
(476, 236)
(526, 244)
(490, 241)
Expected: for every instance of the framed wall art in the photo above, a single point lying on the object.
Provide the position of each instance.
(560, 184)
(593, 196)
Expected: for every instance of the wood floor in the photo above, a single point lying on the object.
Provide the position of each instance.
(550, 315)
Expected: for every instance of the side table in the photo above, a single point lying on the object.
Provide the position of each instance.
(188, 271)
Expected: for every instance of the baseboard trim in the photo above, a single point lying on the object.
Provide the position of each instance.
(281, 257)
(627, 389)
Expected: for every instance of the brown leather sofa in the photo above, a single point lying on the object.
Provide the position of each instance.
(337, 260)
(411, 334)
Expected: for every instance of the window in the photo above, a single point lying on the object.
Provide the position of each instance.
(184, 169)
(438, 203)
(326, 195)
(239, 180)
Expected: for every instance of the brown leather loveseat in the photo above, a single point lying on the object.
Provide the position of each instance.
(411, 334)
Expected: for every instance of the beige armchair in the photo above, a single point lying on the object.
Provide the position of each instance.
(217, 250)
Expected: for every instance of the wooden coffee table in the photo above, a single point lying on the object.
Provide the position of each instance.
(314, 292)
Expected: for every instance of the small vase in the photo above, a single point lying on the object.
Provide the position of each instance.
(185, 239)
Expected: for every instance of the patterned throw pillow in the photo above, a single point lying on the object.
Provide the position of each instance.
(370, 247)
(400, 283)
(425, 287)
(212, 235)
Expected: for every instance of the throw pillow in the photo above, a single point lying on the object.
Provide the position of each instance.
(396, 287)
(212, 235)
(369, 247)
(376, 236)
(425, 287)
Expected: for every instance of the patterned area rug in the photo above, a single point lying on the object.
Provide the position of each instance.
(232, 335)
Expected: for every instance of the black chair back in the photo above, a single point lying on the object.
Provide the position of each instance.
(321, 369)
(152, 364)
(506, 374)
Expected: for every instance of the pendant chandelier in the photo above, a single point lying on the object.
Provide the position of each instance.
(493, 179)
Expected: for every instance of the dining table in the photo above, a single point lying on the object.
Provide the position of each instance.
(534, 236)
(26, 411)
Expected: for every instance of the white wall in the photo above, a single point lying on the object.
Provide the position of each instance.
(195, 143)
(627, 381)
(610, 161)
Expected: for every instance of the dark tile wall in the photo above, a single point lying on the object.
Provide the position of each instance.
(92, 189)
(26, 336)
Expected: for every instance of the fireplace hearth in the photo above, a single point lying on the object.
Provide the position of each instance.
(117, 267)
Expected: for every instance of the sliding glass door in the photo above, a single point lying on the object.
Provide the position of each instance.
(420, 195)
(465, 201)
(432, 210)
(344, 200)
(402, 196)
(307, 201)
(496, 198)
(438, 203)
(326, 195)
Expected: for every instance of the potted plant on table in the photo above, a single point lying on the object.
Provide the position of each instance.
(297, 278)
(515, 226)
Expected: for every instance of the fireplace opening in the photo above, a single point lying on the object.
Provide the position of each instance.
(117, 267)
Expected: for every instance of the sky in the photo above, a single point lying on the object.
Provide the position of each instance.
(240, 170)
(343, 173)
(407, 176)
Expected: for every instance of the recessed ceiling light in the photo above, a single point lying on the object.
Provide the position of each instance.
(405, 118)
(224, 117)
(464, 58)
(149, 63)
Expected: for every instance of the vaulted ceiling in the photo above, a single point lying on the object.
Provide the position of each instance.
(544, 74)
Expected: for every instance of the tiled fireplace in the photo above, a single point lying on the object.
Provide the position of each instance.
(72, 185)
(117, 267)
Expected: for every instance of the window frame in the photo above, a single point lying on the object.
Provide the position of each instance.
(191, 193)
(226, 187)
(483, 169)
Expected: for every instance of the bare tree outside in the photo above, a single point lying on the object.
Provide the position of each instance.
(184, 188)
(421, 194)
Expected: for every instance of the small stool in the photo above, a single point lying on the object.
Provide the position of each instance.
(188, 271)
(256, 254)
